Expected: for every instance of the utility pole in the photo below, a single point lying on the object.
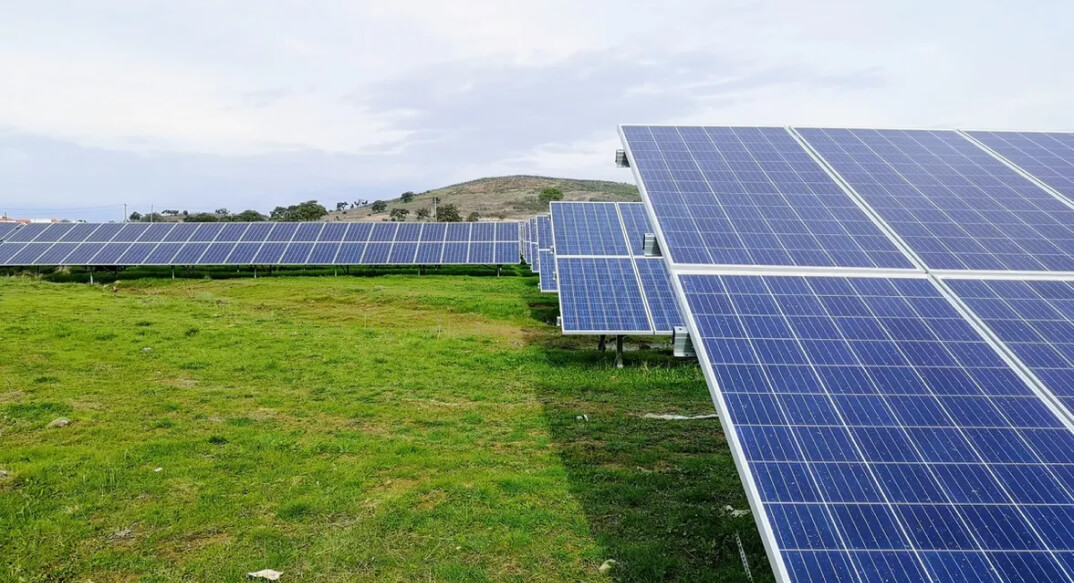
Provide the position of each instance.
(124, 212)
(436, 217)
(150, 213)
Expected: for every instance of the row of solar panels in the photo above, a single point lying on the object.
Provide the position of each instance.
(259, 243)
(911, 420)
(537, 251)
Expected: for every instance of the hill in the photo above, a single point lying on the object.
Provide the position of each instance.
(504, 197)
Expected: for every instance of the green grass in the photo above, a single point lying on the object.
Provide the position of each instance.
(392, 428)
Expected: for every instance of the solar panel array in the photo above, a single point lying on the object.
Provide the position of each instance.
(101, 244)
(901, 411)
(606, 286)
(546, 265)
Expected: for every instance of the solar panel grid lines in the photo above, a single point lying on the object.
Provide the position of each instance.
(609, 299)
(742, 196)
(956, 204)
(886, 516)
(1046, 158)
(587, 229)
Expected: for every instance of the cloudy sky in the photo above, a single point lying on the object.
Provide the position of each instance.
(201, 104)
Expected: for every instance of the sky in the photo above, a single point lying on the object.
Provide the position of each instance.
(206, 104)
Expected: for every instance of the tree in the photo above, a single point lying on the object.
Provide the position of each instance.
(170, 213)
(422, 214)
(305, 211)
(378, 206)
(223, 212)
(136, 216)
(152, 218)
(474, 217)
(202, 218)
(399, 214)
(447, 213)
(340, 206)
(249, 216)
(548, 194)
(407, 197)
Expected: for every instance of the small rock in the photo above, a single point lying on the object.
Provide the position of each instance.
(4, 474)
(61, 422)
(607, 565)
(735, 513)
(268, 574)
(582, 418)
(122, 534)
(147, 349)
(159, 470)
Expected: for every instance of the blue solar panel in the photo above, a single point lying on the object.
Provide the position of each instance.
(882, 436)
(27, 254)
(636, 223)
(297, 253)
(403, 252)
(1035, 319)
(600, 295)
(257, 232)
(79, 233)
(232, 232)
(1048, 156)
(507, 232)
(408, 232)
(206, 232)
(8, 250)
(56, 254)
(587, 228)
(130, 233)
(455, 253)
(506, 252)
(190, 254)
(383, 232)
(27, 233)
(163, 254)
(481, 252)
(458, 232)
(751, 196)
(136, 253)
(544, 232)
(434, 232)
(283, 232)
(346, 253)
(376, 253)
(7, 229)
(547, 270)
(271, 252)
(430, 253)
(181, 233)
(110, 253)
(309, 232)
(217, 253)
(656, 286)
(243, 253)
(155, 232)
(54, 232)
(954, 204)
(482, 232)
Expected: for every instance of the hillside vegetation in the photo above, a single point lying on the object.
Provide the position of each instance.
(504, 197)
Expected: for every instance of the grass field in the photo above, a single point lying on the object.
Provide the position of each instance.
(390, 428)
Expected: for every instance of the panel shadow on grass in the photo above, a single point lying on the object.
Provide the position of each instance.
(655, 492)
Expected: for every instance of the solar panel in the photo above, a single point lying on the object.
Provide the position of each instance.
(429, 253)
(78, 233)
(190, 253)
(271, 252)
(283, 232)
(130, 233)
(344, 254)
(155, 232)
(181, 233)
(879, 435)
(110, 253)
(506, 252)
(136, 253)
(243, 253)
(1048, 156)
(455, 252)
(544, 232)
(9, 250)
(163, 254)
(656, 287)
(751, 196)
(600, 295)
(376, 253)
(206, 232)
(27, 233)
(403, 253)
(54, 232)
(55, 254)
(27, 253)
(482, 252)
(636, 223)
(384, 232)
(257, 232)
(217, 253)
(954, 204)
(7, 228)
(547, 271)
(1035, 320)
(587, 228)
(297, 253)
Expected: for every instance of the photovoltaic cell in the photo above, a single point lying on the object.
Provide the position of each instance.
(27, 233)
(600, 295)
(190, 253)
(884, 439)
(283, 232)
(136, 253)
(297, 253)
(751, 196)
(1035, 319)
(1048, 156)
(7, 229)
(163, 254)
(656, 286)
(547, 271)
(587, 228)
(56, 254)
(636, 221)
(955, 205)
(455, 252)
(544, 232)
